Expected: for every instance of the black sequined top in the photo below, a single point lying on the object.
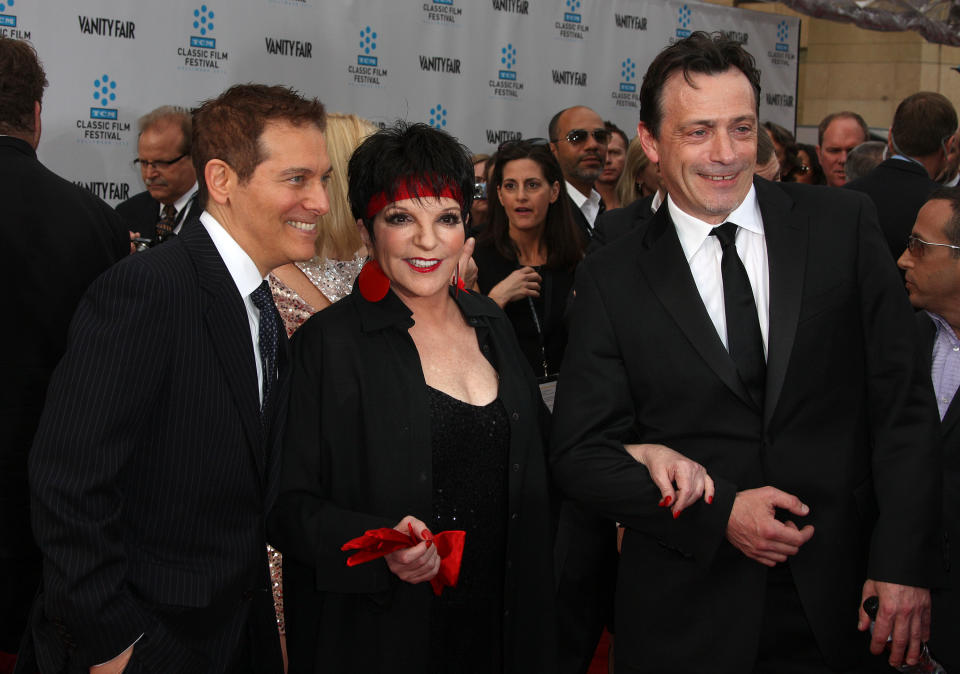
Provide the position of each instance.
(470, 454)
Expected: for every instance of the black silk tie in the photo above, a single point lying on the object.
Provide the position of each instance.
(267, 338)
(744, 339)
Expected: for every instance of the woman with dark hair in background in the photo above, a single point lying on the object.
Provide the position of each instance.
(807, 169)
(527, 254)
(412, 408)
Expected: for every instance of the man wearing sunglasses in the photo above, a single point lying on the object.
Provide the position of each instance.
(578, 139)
(163, 158)
(931, 262)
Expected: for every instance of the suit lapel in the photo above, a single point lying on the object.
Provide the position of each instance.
(666, 270)
(786, 237)
(226, 321)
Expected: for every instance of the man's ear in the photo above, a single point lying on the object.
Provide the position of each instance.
(220, 179)
(649, 143)
(36, 124)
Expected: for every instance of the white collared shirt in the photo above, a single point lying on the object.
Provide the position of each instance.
(703, 253)
(179, 205)
(247, 278)
(589, 206)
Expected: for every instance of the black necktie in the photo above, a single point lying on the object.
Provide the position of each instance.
(601, 208)
(744, 339)
(166, 223)
(267, 338)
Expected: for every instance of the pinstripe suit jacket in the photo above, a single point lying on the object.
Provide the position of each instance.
(151, 473)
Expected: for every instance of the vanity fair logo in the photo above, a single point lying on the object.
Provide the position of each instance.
(107, 27)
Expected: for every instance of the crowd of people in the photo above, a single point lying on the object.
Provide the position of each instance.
(333, 398)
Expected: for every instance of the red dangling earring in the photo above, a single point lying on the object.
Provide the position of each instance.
(373, 283)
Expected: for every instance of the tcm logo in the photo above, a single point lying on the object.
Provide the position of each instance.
(104, 93)
(571, 15)
(443, 2)
(783, 34)
(628, 73)
(6, 20)
(203, 23)
(508, 59)
(438, 117)
(683, 21)
(368, 45)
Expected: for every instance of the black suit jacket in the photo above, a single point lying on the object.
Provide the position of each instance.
(583, 225)
(151, 473)
(848, 424)
(613, 224)
(898, 189)
(56, 238)
(945, 623)
(141, 212)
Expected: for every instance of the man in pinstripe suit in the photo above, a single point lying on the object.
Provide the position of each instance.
(156, 459)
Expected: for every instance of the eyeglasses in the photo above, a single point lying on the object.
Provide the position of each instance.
(916, 245)
(522, 141)
(802, 169)
(577, 136)
(480, 190)
(159, 164)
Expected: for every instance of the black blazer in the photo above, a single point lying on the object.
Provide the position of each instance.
(848, 424)
(586, 231)
(151, 473)
(56, 238)
(945, 623)
(613, 224)
(898, 189)
(141, 212)
(357, 456)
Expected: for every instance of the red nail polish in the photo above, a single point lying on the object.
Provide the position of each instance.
(668, 500)
(709, 500)
(677, 514)
(663, 502)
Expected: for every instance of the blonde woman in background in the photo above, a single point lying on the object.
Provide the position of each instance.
(302, 288)
(640, 177)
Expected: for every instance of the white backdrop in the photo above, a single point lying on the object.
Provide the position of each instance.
(485, 70)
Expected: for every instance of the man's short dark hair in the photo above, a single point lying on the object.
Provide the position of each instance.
(173, 114)
(22, 82)
(393, 157)
(229, 127)
(951, 229)
(614, 129)
(922, 124)
(843, 114)
(555, 122)
(700, 53)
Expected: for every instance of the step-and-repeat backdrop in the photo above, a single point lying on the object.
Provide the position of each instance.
(484, 70)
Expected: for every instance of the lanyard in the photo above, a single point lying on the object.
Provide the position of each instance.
(536, 324)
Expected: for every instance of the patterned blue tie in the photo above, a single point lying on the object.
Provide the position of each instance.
(268, 338)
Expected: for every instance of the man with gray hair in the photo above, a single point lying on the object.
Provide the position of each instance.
(864, 158)
(163, 157)
(922, 125)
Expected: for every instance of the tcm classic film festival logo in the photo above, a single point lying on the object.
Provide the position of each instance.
(438, 117)
(202, 53)
(507, 84)
(626, 95)
(104, 126)
(572, 26)
(443, 12)
(8, 21)
(781, 54)
(369, 70)
(684, 17)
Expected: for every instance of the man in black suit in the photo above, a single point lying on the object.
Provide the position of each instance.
(50, 256)
(777, 352)
(578, 139)
(917, 149)
(163, 156)
(156, 459)
(932, 266)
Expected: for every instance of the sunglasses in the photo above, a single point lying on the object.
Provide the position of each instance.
(917, 245)
(577, 136)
